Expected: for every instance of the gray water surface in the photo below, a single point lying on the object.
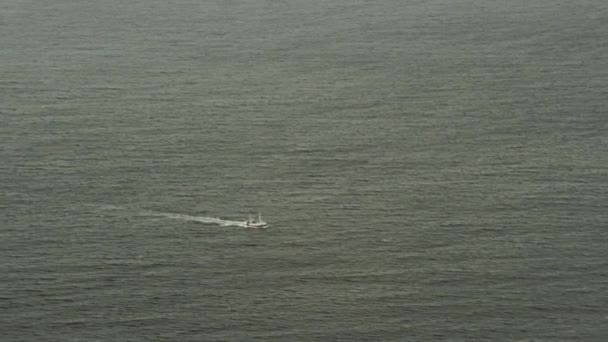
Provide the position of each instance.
(432, 170)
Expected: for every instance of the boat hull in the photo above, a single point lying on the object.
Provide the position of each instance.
(256, 225)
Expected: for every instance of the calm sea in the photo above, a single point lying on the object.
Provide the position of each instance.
(432, 170)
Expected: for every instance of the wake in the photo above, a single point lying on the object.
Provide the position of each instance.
(181, 217)
(201, 219)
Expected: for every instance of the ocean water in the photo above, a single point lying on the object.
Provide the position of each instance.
(432, 170)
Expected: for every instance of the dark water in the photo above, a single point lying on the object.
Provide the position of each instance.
(433, 170)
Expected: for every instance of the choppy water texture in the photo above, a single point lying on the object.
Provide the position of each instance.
(432, 170)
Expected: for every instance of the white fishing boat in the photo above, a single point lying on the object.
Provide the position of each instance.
(256, 223)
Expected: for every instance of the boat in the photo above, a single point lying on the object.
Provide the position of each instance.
(259, 223)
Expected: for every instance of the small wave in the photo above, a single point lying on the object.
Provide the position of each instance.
(110, 207)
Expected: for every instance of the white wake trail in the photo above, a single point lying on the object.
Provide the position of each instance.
(201, 219)
(182, 217)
